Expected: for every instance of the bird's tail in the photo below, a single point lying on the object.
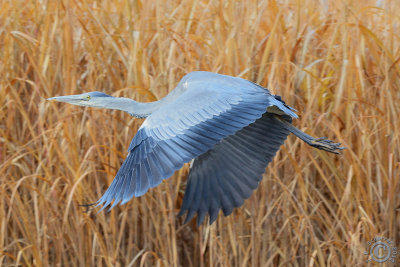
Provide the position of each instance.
(281, 105)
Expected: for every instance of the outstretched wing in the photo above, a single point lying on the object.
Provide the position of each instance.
(202, 110)
(226, 175)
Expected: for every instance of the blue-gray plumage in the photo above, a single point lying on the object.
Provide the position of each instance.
(230, 127)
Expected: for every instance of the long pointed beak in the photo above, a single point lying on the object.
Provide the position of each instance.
(67, 98)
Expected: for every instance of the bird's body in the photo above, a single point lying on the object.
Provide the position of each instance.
(230, 127)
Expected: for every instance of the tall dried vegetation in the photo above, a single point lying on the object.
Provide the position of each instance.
(337, 62)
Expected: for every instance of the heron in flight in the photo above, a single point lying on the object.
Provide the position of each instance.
(228, 128)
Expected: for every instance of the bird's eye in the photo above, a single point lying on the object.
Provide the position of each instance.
(88, 97)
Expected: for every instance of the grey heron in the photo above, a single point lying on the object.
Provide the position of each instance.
(228, 127)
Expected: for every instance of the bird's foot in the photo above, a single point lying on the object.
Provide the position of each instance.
(323, 143)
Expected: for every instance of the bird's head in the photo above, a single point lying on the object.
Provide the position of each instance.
(91, 99)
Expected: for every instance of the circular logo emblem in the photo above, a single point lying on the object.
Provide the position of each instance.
(381, 250)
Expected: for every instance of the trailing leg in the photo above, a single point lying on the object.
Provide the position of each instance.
(321, 143)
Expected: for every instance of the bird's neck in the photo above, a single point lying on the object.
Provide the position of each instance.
(134, 108)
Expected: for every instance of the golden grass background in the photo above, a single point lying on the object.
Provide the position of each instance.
(337, 62)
